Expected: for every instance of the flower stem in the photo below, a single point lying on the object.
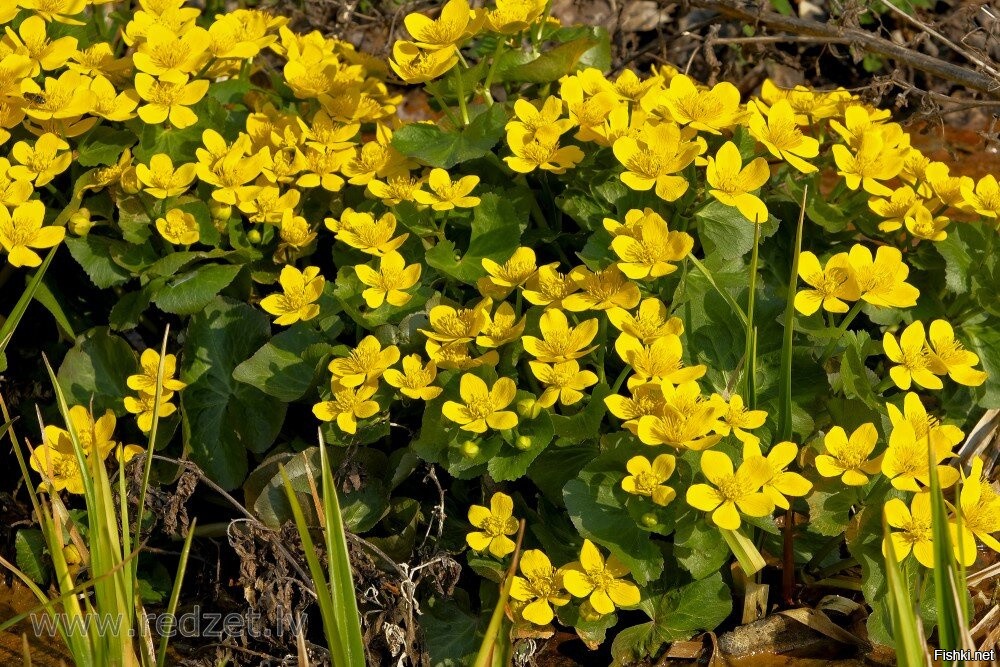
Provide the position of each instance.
(488, 83)
(460, 85)
(846, 322)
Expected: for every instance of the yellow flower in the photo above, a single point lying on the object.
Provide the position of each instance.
(13, 191)
(66, 98)
(948, 356)
(495, 523)
(347, 406)
(913, 358)
(781, 482)
(781, 136)
(390, 282)
(548, 287)
(109, 104)
(906, 461)
(655, 158)
(530, 153)
(178, 227)
(943, 435)
(873, 161)
(860, 120)
(809, 105)
(948, 189)
(736, 419)
(599, 581)
(915, 529)
(545, 124)
(142, 407)
(900, 204)
(445, 194)
(922, 224)
(559, 341)
(455, 356)
(647, 479)
(984, 199)
(56, 10)
(684, 421)
(228, 168)
(733, 492)
(705, 110)
(502, 328)
(32, 41)
(59, 469)
(848, 458)
(169, 98)
(649, 255)
(161, 180)
(447, 30)
(541, 586)
(149, 361)
(294, 231)
(658, 363)
(882, 279)
(43, 161)
(649, 323)
(165, 52)
(513, 16)
(501, 279)
(415, 379)
(268, 204)
(363, 232)
(461, 325)
(364, 364)
(830, 286)
(980, 506)
(300, 291)
(646, 400)
(608, 288)
(321, 165)
(375, 158)
(483, 407)
(732, 183)
(588, 112)
(395, 189)
(21, 233)
(563, 381)
(94, 435)
(414, 65)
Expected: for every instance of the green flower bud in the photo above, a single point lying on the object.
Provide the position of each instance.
(253, 236)
(220, 212)
(79, 223)
(649, 519)
(523, 442)
(470, 449)
(529, 408)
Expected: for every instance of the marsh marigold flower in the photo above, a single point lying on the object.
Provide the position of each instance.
(649, 255)
(96, 436)
(482, 407)
(390, 282)
(731, 492)
(914, 532)
(59, 469)
(948, 356)
(650, 322)
(545, 123)
(654, 159)
(872, 163)
(541, 587)
(300, 291)
(149, 363)
(563, 381)
(502, 328)
(457, 325)
(143, 405)
(707, 110)
(446, 194)
(161, 180)
(560, 341)
(549, 287)
(831, 286)
(684, 420)
(364, 364)
(980, 506)
(178, 227)
(347, 405)
(501, 279)
(530, 153)
(907, 459)
(646, 400)
(647, 479)
(984, 198)
(600, 581)
(736, 419)
(732, 184)
(777, 130)
(495, 523)
(445, 31)
(848, 458)
(415, 379)
(781, 482)
(169, 98)
(660, 362)
(415, 65)
(605, 289)
(363, 232)
(21, 233)
(882, 279)
(912, 358)
(43, 161)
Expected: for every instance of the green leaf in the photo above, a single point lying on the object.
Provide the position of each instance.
(224, 418)
(676, 615)
(830, 507)
(586, 423)
(285, 366)
(723, 230)
(854, 375)
(984, 340)
(95, 370)
(95, 254)
(29, 552)
(103, 146)
(496, 233)
(432, 145)
(190, 292)
(699, 547)
(595, 502)
(450, 630)
(126, 313)
(557, 62)
(512, 462)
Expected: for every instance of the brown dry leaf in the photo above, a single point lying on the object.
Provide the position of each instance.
(689, 650)
(821, 623)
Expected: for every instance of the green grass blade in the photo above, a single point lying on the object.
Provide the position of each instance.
(341, 577)
(750, 351)
(175, 594)
(8, 327)
(495, 642)
(906, 632)
(338, 653)
(723, 293)
(785, 375)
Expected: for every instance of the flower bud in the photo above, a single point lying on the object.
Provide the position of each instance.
(523, 443)
(649, 519)
(588, 613)
(72, 555)
(220, 212)
(470, 449)
(129, 183)
(253, 236)
(528, 408)
(79, 223)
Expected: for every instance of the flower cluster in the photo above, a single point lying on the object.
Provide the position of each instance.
(143, 404)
